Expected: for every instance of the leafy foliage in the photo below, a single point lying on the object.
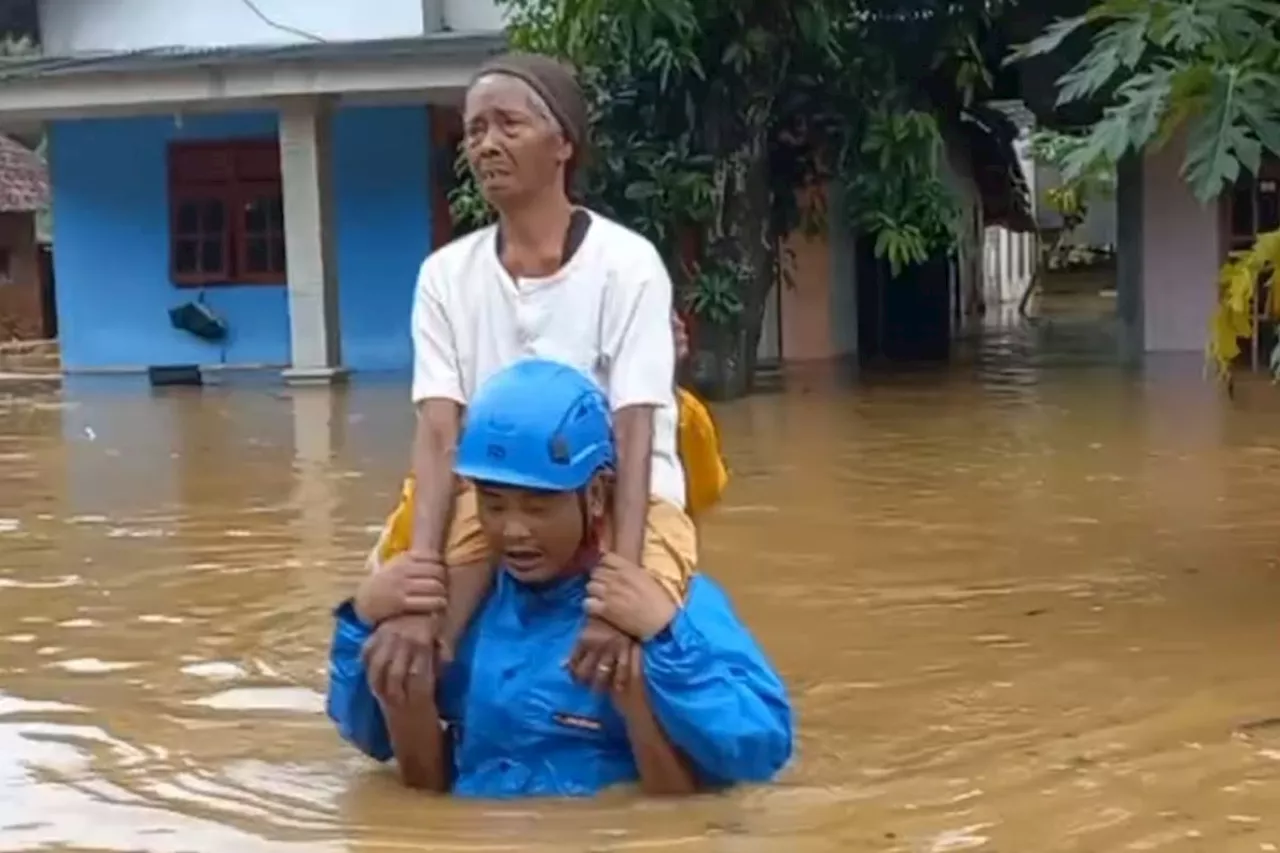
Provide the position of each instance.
(1072, 197)
(1238, 284)
(714, 121)
(1209, 66)
(901, 200)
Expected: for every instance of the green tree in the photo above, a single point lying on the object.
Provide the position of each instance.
(1211, 67)
(1071, 199)
(711, 115)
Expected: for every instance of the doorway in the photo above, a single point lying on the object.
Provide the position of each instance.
(48, 291)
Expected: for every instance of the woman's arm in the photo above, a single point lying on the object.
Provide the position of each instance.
(663, 770)
(439, 398)
(633, 431)
(640, 341)
(715, 694)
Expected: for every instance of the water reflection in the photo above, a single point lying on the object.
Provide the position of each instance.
(1026, 603)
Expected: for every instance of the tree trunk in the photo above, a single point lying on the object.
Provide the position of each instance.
(739, 238)
(718, 363)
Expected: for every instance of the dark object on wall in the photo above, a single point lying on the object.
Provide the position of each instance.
(903, 319)
(199, 320)
(170, 375)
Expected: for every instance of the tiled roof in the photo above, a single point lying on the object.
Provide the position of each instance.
(1006, 198)
(435, 46)
(24, 178)
(1018, 113)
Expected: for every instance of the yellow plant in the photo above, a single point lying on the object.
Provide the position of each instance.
(1066, 201)
(1238, 281)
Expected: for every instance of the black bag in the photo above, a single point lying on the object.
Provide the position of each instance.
(199, 320)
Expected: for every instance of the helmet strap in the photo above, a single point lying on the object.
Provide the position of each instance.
(588, 554)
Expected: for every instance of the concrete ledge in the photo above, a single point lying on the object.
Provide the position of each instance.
(296, 376)
(314, 376)
(141, 370)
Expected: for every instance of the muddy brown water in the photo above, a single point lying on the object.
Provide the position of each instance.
(1023, 606)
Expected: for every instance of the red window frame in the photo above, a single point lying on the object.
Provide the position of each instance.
(216, 191)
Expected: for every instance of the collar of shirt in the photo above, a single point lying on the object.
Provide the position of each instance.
(530, 602)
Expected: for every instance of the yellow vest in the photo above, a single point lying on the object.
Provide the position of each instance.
(704, 469)
(397, 533)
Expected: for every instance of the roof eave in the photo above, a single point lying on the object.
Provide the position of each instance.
(152, 82)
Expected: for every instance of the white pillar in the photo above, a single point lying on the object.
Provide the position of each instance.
(306, 168)
(1181, 252)
(1006, 263)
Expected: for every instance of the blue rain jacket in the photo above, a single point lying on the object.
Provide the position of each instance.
(522, 727)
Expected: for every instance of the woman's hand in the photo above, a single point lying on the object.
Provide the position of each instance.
(629, 695)
(405, 585)
(600, 655)
(629, 598)
(401, 659)
(405, 599)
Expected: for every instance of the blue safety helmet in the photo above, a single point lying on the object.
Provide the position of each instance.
(538, 424)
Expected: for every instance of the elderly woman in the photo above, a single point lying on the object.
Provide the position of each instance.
(549, 279)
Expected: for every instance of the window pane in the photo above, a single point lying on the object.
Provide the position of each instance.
(184, 256)
(215, 216)
(211, 256)
(188, 219)
(277, 254)
(1268, 207)
(275, 213)
(255, 216)
(256, 259)
(1242, 210)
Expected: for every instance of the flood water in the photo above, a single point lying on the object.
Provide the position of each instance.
(1025, 604)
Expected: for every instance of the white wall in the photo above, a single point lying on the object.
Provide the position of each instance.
(1009, 263)
(73, 26)
(1182, 248)
(1099, 227)
(471, 15)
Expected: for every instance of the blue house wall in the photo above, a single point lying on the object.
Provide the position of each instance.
(111, 242)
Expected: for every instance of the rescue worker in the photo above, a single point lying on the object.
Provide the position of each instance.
(694, 704)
